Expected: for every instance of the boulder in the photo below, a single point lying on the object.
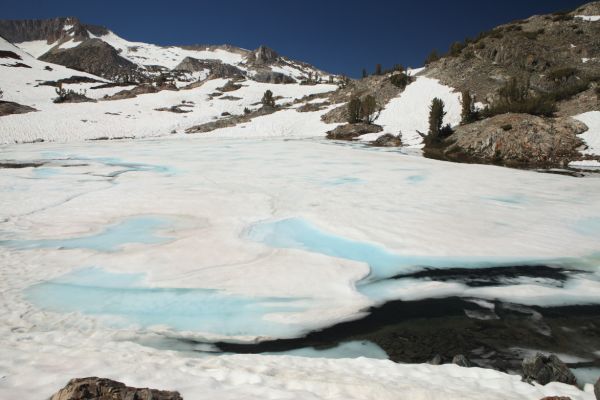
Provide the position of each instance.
(544, 370)
(514, 140)
(9, 107)
(461, 361)
(388, 140)
(556, 398)
(106, 389)
(352, 131)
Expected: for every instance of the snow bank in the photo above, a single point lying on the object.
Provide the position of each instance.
(591, 137)
(590, 18)
(409, 112)
(136, 117)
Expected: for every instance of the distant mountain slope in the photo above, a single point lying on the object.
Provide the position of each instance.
(60, 40)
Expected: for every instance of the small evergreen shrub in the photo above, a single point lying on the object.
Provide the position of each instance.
(354, 107)
(432, 57)
(267, 99)
(400, 80)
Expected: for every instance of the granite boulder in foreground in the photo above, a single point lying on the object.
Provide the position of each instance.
(106, 389)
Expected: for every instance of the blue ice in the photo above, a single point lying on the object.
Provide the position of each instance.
(588, 226)
(140, 229)
(122, 300)
(297, 233)
(344, 180)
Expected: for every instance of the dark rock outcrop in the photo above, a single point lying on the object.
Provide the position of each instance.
(131, 93)
(352, 131)
(436, 360)
(513, 140)
(9, 107)
(93, 56)
(106, 389)
(215, 67)
(597, 389)
(388, 140)
(268, 76)
(544, 370)
(231, 120)
(263, 56)
(51, 30)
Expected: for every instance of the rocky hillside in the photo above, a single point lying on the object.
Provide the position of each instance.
(546, 50)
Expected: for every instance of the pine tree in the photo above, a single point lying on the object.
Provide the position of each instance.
(432, 57)
(364, 73)
(468, 113)
(436, 117)
(267, 99)
(378, 69)
(368, 109)
(354, 108)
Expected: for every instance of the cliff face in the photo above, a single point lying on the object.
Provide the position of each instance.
(51, 30)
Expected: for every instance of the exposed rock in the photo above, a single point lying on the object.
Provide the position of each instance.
(597, 389)
(268, 76)
(106, 389)
(529, 49)
(352, 131)
(230, 86)
(461, 361)
(71, 80)
(131, 93)
(311, 107)
(94, 56)
(230, 120)
(547, 369)
(557, 398)
(514, 140)
(230, 98)
(9, 107)
(71, 96)
(9, 54)
(388, 140)
(215, 67)
(178, 109)
(379, 87)
(263, 56)
(51, 30)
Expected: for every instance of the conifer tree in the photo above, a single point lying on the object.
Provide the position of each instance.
(468, 113)
(354, 107)
(364, 73)
(267, 99)
(378, 69)
(436, 117)
(368, 109)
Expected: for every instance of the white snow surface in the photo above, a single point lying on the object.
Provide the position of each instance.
(216, 188)
(591, 137)
(408, 113)
(263, 377)
(590, 18)
(135, 117)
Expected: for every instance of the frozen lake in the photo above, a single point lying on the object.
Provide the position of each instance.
(208, 240)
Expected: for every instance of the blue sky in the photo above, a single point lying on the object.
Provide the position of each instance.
(337, 36)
